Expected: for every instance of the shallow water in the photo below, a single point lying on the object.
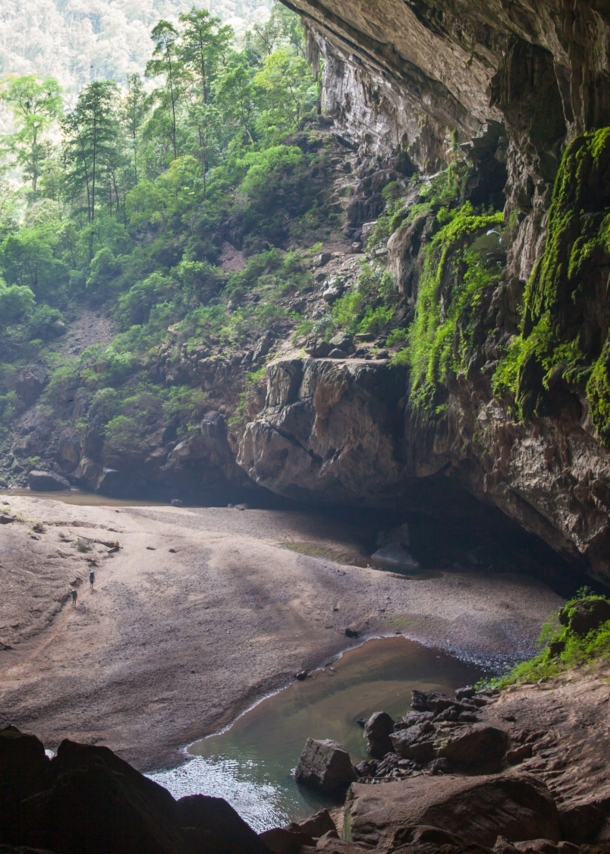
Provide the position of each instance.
(251, 764)
(81, 499)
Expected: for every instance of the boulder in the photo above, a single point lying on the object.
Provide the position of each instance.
(47, 481)
(97, 803)
(86, 799)
(473, 748)
(24, 766)
(280, 840)
(394, 557)
(466, 693)
(325, 765)
(479, 809)
(342, 341)
(317, 347)
(415, 743)
(586, 615)
(214, 826)
(316, 825)
(377, 731)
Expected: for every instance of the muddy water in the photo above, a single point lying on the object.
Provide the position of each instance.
(251, 764)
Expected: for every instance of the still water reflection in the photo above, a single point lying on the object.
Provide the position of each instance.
(251, 763)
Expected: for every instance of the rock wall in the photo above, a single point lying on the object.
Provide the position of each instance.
(414, 80)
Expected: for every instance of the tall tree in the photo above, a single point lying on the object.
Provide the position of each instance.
(204, 42)
(166, 62)
(133, 112)
(92, 143)
(36, 104)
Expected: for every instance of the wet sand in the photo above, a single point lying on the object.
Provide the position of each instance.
(172, 645)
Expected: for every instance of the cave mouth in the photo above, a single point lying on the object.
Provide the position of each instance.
(452, 530)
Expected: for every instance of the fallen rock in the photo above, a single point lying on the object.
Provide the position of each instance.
(47, 481)
(352, 633)
(343, 341)
(280, 840)
(212, 825)
(466, 693)
(86, 799)
(473, 748)
(394, 556)
(6, 520)
(517, 807)
(585, 616)
(377, 731)
(316, 825)
(325, 765)
(415, 743)
(317, 347)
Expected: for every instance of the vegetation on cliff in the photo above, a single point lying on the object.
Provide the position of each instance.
(561, 340)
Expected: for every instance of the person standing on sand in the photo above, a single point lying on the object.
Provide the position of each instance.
(74, 594)
(91, 578)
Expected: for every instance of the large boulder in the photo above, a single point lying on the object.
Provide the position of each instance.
(24, 766)
(415, 742)
(473, 748)
(377, 731)
(214, 827)
(479, 809)
(88, 801)
(47, 481)
(326, 765)
(97, 803)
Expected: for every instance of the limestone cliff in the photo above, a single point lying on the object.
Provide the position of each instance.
(511, 83)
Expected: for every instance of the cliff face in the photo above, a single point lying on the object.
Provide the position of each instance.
(512, 84)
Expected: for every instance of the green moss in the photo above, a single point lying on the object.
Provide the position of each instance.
(578, 241)
(440, 339)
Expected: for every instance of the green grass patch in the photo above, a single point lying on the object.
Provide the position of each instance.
(564, 648)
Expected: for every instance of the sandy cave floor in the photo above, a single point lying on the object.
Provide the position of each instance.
(170, 646)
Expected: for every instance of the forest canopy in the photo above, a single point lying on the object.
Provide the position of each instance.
(127, 196)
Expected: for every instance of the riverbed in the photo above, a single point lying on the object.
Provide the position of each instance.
(204, 611)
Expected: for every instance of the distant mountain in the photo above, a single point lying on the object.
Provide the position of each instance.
(78, 41)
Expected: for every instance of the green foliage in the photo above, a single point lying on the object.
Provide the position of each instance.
(370, 306)
(452, 284)
(9, 403)
(563, 648)
(15, 302)
(46, 323)
(575, 241)
(35, 105)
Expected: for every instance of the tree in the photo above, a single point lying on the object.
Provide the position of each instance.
(166, 62)
(36, 104)
(93, 146)
(204, 43)
(288, 89)
(133, 112)
(235, 94)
